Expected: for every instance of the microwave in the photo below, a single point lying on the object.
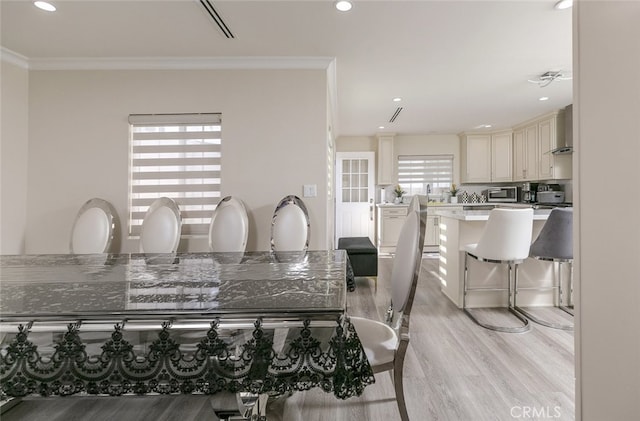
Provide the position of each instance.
(503, 194)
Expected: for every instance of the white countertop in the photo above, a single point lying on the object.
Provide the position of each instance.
(483, 215)
(455, 205)
(392, 205)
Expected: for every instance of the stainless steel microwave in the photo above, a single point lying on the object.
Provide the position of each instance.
(502, 194)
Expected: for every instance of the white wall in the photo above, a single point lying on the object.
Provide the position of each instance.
(429, 145)
(406, 145)
(274, 140)
(607, 126)
(14, 88)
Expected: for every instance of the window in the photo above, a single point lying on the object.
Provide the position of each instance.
(176, 156)
(355, 180)
(416, 171)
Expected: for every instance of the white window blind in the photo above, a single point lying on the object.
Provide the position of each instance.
(176, 156)
(416, 171)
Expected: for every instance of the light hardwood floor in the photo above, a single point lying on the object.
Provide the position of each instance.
(454, 370)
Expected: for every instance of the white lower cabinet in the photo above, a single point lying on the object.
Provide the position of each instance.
(432, 234)
(390, 220)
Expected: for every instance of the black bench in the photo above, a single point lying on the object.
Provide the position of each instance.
(363, 256)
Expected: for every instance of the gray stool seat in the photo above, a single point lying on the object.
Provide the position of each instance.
(363, 255)
(554, 244)
(555, 241)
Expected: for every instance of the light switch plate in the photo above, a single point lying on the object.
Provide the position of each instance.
(309, 190)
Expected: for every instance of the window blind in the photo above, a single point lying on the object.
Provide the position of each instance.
(416, 171)
(176, 156)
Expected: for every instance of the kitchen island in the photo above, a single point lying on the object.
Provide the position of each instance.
(459, 227)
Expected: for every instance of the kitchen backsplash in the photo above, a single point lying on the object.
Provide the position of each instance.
(443, 194)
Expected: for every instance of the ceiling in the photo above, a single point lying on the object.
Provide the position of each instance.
(456, 65)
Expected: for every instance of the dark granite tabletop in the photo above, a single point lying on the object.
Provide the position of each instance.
(50, 287)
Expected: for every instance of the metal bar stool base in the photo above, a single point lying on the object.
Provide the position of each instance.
(539, 321)
(515, 329)
(567, 309)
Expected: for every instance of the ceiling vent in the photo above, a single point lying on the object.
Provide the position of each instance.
(395, 115)
(216, 18)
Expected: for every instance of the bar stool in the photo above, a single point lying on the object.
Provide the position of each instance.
(554, 244)
(505, 240)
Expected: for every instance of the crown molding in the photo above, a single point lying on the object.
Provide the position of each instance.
(14, 58)
(181, 63)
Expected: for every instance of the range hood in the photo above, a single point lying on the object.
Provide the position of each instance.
(567, 147)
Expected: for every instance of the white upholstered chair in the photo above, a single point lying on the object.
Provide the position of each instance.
(94, 228)
(385, 343)
(161, 227)
(506, 239)
(290, 226)
(229, 228)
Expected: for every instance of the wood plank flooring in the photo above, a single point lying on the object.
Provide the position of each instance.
(454, 370)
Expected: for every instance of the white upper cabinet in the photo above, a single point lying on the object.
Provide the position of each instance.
(501, 156)
(486, 157)
(385, 160)
(533, 142)
(525, 153)
(475, 158)
(547, 141)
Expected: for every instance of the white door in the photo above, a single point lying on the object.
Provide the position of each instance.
(355, 192)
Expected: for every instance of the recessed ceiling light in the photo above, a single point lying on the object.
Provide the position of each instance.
(397, 99)
(381, 127)
(344, 5)
(564, 4)
(483, 126)
(44, 6)
(543, 98)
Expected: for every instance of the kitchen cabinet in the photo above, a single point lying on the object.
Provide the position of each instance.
(501, 156)
(533, 142)
(390, 220)
(475, 158)
(432, 233)
(525, 153)
(386, 174)
(486, 157)
(547, 141)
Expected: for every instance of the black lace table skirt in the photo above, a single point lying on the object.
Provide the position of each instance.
(261, 360)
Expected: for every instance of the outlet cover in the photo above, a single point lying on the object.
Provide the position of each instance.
(309, 190)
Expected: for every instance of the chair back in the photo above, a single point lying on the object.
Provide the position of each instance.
(94, 228)
(161, 227)
(408, 257)
(555, 240)
(229, 228)
(507, 235)
(290, 225)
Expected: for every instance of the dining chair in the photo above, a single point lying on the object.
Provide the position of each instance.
(94, 227)
(161, 227)
(554, 244)
(290, 225)
(229, 228)
(505, 240)
(385, 343)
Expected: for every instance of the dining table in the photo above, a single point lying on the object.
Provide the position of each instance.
(264, 323)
